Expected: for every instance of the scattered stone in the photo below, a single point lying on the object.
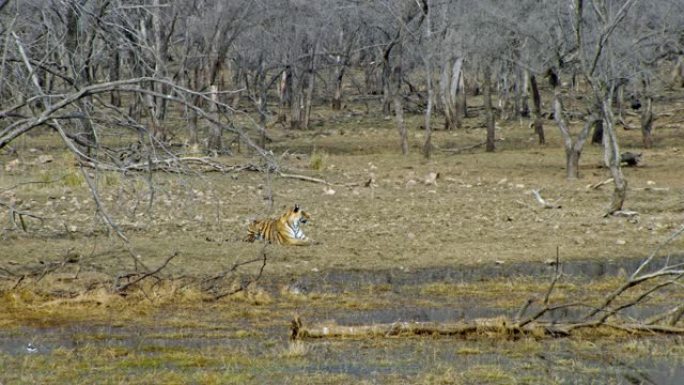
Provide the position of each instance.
(620, 242)
(431, 179)
(45, 159)
(12, 165)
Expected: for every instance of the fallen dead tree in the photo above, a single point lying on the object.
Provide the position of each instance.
(186, 165)
(499, 326)
(653, 276)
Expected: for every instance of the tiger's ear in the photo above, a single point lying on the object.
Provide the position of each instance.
(296, 208)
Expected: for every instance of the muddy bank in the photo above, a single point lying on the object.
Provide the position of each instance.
(353, 280)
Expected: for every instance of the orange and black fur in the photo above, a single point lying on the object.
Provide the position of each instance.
(284, 230)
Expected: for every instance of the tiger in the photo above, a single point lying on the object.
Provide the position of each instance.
(284, 230)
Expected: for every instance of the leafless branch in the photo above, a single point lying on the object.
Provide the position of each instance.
(212, 283)
(122, 288)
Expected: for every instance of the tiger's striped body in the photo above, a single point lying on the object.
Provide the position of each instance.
(284, 230)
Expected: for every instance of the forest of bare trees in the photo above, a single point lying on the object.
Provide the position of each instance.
(83, 68)
(150, 84)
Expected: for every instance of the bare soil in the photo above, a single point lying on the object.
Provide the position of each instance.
(479, 209)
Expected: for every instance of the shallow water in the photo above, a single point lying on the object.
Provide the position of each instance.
(380, 361)
(340, 280)
(259, 352)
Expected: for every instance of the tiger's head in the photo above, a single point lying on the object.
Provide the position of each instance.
(296, 216)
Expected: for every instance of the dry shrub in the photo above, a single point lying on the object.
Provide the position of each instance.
(318, 160)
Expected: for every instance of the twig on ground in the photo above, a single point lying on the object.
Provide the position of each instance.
(597, 185)
(546, 204)
(454, 151)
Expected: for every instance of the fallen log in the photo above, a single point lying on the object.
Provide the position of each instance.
(488, 326)
(499, 326)
(454, 151)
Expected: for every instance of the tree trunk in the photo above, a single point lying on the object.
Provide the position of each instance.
(427, 147)
(678, 72)
(620, 103)
(462, 103)
(296, 110)
(489, 113)
(647, 123)
(448, 108)
(451, 92)
(284, 95)
(573, 150)
(236, 84)
(311, 79)
(78, 64)
(597, 136)
(336, 102)
(523, 91)
(157, 131)
(398, 107)
(297, 100)
(370, 76)
(572, 158)
(504, 99)
(215, 145)
(386, 85)
(538, 119)
(192, 128)
(620, 191)
(339, 69)
(114, 69)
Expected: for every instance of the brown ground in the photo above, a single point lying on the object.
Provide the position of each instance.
(479, 210)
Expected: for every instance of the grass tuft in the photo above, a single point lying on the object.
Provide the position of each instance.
(318, 160)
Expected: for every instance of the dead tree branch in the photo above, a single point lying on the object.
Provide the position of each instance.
(15, 214)
(454, 151)
(134, 278)
(213, 283)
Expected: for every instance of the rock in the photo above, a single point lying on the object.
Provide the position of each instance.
(431, 179)
(12, 165)
(45, 159)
